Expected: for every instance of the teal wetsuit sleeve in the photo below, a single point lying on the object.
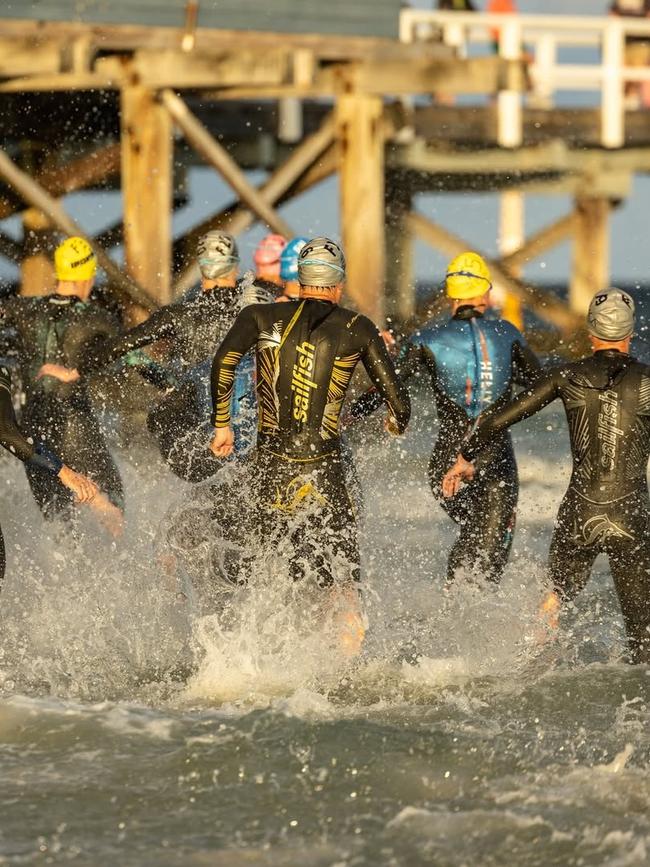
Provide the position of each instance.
(158, 326)
(382, 373)
(150, 370)
(496, 420)
(234, 346)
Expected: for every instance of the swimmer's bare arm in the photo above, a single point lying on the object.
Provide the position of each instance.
(235, 345)
(493, 422)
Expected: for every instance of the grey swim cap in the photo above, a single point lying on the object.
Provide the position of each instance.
(217, 254)
(611, 315)
(321, 263)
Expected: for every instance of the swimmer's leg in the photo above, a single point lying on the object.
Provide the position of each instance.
(630, 565)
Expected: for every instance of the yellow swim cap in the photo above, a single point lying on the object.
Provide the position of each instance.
(74, 260)
(467, 276)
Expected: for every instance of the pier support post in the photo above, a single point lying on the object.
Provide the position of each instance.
(37, 268)
(400, 282)
(511, 237)
(147, 150)
(361, 137)
(590, 271)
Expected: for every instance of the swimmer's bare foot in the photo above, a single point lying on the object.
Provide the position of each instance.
(549, 617)
(348, 621)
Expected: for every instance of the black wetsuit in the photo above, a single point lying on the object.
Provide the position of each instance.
(194, 326)
(605, 509)
(62, 329)
(39, 460)
(306, 353)
(471, 363)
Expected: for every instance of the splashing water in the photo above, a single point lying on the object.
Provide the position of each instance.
(154, 713)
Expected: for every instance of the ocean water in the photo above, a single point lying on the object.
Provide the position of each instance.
(144, 721)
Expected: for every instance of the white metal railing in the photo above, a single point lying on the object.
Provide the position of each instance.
(539, 37)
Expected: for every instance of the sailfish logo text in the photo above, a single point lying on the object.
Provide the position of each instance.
(301, 382)
(608, 432)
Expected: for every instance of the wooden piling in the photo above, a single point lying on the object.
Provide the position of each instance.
(36, 268)
(147, 190)
(590, 270)
(400, 280)
(361, 138)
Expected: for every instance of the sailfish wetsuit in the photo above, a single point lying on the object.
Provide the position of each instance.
(606, 507)
(306, 353)
(194, 326)
(472, 363)
(38, 458)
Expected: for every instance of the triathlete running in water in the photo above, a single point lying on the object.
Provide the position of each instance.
(38, 458)
(472, 362)
(194, 326)
(307, 351)
(606, 508)
(54, 335)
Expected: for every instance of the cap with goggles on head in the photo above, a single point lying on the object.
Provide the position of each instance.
(321, 263)
(217, 255)
(611, 315)
(467, 276)
(74, 260)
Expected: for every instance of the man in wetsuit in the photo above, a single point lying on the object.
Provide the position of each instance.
(267, 263)
(307, 351)
(606, 508)
(194, 326)
(57, 331)
(472, 363)
(37, 458)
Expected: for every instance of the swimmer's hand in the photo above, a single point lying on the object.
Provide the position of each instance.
(462, 471)
(83, 489)
(59, 371)
(223, 443)
(391, 427)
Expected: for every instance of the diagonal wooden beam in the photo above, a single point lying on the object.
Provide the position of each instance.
(236, 218)
(218, 157)
(33, 194)
(545, 304)
(75, 175)
(538, 244)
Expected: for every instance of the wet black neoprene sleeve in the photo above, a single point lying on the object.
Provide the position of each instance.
(494, 421)
(13, 440)
(392, 390)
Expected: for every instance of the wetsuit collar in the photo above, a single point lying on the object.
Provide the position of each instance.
(467, 312)
(55, 298)
(612, 353)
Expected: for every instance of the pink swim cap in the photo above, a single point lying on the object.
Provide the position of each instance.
(269, 250)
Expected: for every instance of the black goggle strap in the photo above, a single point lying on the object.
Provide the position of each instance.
(469, 274)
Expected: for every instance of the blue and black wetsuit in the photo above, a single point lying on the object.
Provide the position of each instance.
(472, 363)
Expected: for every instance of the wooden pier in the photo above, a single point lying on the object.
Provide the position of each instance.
(105, 106)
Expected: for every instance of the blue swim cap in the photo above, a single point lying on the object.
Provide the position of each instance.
(289, 258)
